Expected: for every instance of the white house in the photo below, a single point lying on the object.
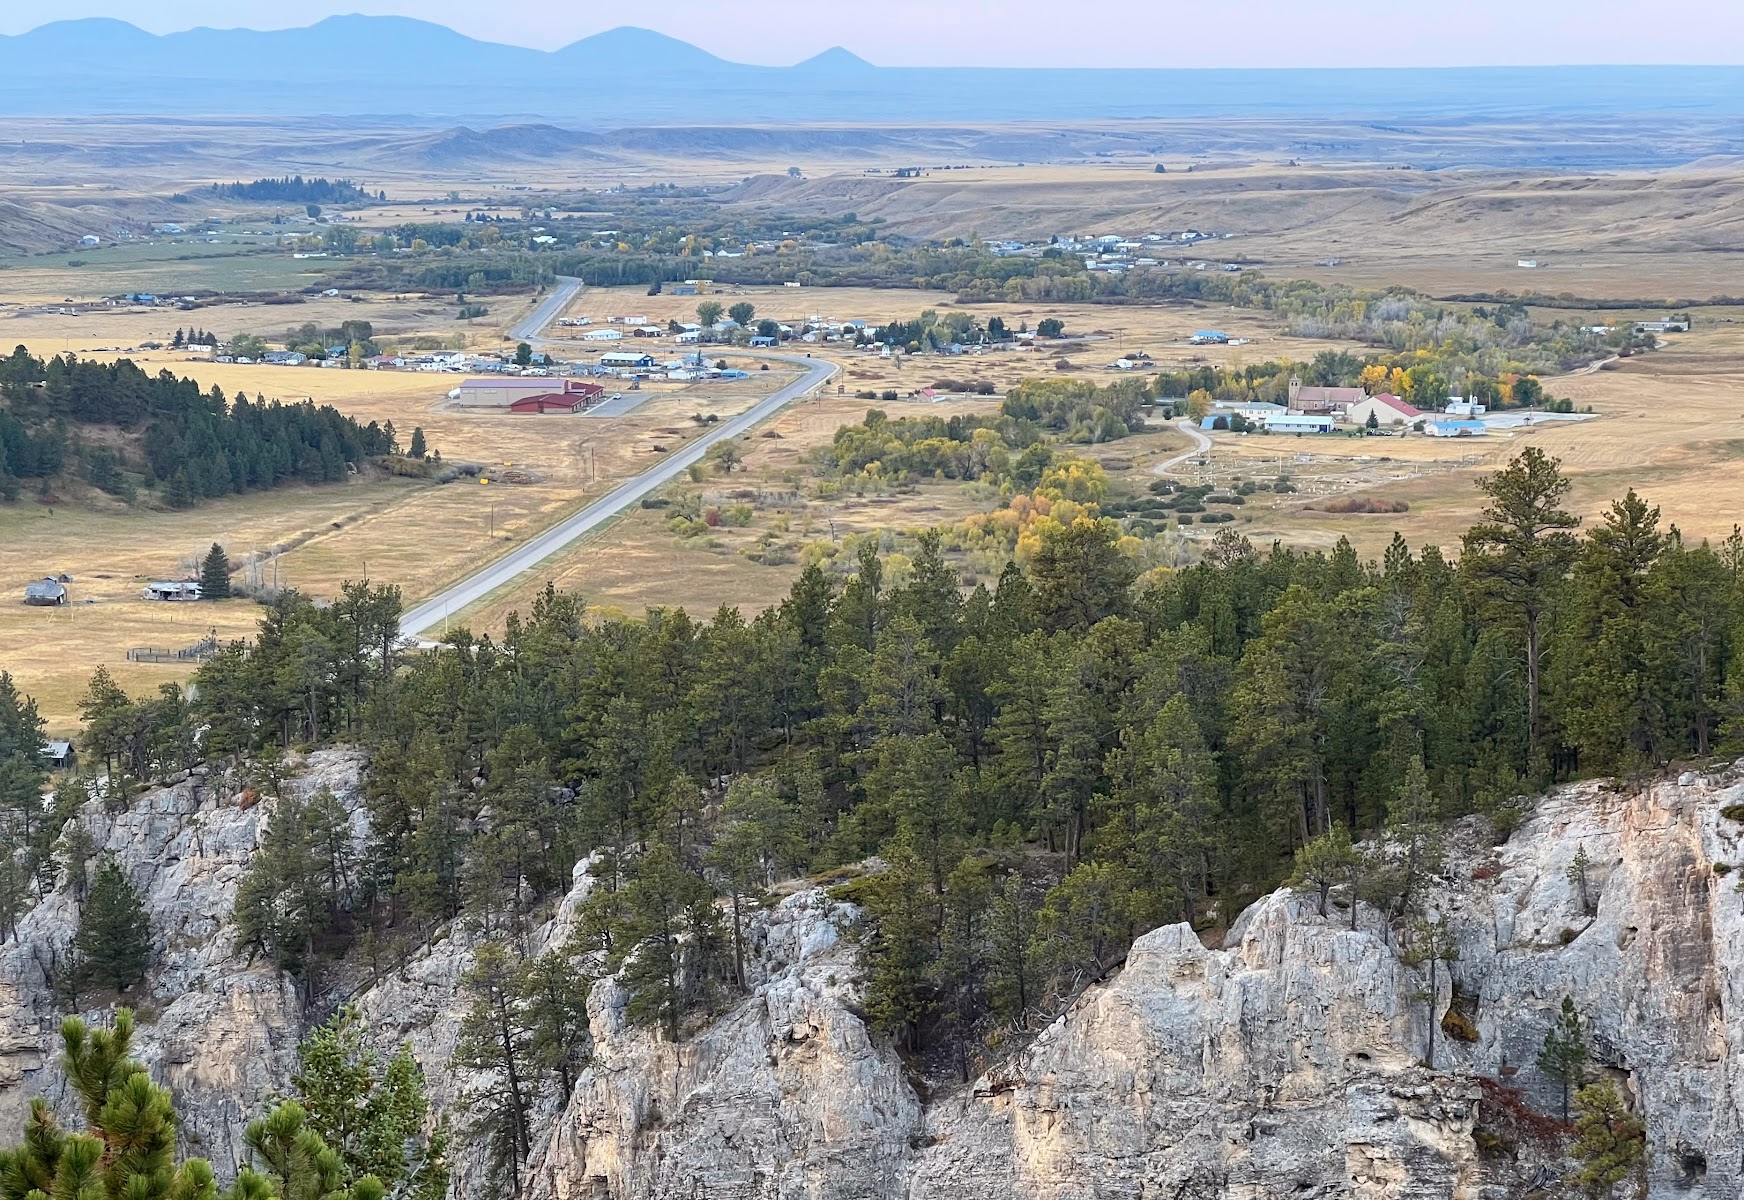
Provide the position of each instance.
(603, 335)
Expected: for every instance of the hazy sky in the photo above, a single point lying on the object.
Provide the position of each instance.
(1044, 32)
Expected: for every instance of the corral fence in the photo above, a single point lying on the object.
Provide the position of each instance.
(200, 651)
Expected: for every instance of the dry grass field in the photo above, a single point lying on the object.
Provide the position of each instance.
(417, 535)
(638, 563)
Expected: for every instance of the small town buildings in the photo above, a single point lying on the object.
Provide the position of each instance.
(1669, 325)
(626, 360)
(47, 592)
(1387, 410)
(1458, 407)
(1456, 428)
(171, 590)
(765, 341)
(1210, 337)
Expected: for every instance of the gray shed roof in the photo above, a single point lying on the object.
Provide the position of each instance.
(45, 589)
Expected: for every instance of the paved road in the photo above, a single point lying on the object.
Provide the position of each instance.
(534, 323)
(432, 615)
(1201, 444)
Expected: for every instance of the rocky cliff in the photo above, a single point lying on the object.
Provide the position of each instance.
(1286, 1061)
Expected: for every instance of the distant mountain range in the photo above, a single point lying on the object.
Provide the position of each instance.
(393, 66)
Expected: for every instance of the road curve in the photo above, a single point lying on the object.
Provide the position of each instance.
(533, 324)
(1201, 444)
(433, 614)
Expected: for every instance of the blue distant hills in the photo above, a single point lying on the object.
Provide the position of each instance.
(393, 66)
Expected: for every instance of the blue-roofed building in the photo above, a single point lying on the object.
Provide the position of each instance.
(1210, 337)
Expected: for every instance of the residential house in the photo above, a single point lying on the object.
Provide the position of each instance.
(626, 360)
(171, 590)
(1458, 407)
(603, 335)
(1209, 337)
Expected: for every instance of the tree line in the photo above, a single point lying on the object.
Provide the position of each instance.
(298, 190)
(191, 444)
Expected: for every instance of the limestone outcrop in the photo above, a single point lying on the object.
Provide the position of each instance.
(1288, 1060)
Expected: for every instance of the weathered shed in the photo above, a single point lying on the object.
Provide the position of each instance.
(46, 592)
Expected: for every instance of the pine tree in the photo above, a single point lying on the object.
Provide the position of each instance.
(1431, 942)
(553, 992)
(1610, 1141)
(14, 895)
(373, 1114)
(668, 950)
(1327, 862)
(178, 493)
(900, 950)
(1413, 828)
(1012, 985)
(114, 934)
(1518, 554)
(215, 574)
(1563, 1057)
(291, 1161)
(129, 1147)
(494, 1037)
(418, 449)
